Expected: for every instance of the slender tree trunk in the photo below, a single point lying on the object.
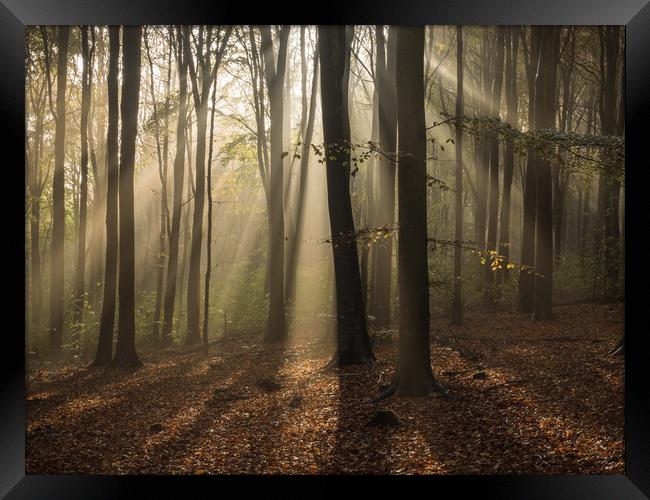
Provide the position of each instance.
(193, 293)
(179, 181)
(125, 353)
(83, 188)
(457, 301)
(483, 154)
(509, 160)
(353, 341)
(107, 322)
(57, 291)
(162, 153)
(386, 173)
(208, 269)
(97, 150)
(493, 141)
(294, 246)
(366, 267)
(545, 87)
(526, 275)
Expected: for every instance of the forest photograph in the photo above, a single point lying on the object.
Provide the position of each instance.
(332, 249)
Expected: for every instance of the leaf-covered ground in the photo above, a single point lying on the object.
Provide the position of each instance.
(526, 397)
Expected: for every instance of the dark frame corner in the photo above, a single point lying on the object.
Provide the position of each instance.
(634, 14)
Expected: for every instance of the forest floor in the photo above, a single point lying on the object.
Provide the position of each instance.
(526, 398)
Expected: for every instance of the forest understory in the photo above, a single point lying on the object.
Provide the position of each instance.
(524, 398)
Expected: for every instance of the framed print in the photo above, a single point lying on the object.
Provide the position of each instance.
(376, 240)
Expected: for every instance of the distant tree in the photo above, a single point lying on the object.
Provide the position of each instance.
(86, 62)
(512, 47)
(38, 93)
(107, 321)
(353, 342)
(125, 353)
(493, 145)
(307, 133)
(163, 160)
(57, 292)
(201, 79)
(457, 301)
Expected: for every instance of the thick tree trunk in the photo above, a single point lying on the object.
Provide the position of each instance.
(545, 87)
(353, 341)
(125, 353)
(107, 322)
(414, 376)
(57, 292)
(276, 328)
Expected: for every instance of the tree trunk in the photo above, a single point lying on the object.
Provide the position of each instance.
(193, 285)
(162, 153)
(353, 342)
(509, 160)
(179, 181)
(125, 353)
(457, 301)
(386, 173)
(57, 292)
(276, 323)
(414, 376)
(306, 139)
(493, 203)
(545, 87)
(105, 341)
(526, 276)
(83, 188)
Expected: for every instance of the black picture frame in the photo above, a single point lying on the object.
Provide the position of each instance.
(634, 14)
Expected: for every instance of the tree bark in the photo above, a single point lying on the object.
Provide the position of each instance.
(107, 322)
(457, 301)
(512, 47)
(83, 188)
(57, 292)
(386, 68)
(276, 328)
(526, 276)
(414, 375)
(308, 132)
(493, 141)
(125, 353)
(545, 87)
(353, 342)
(179, 181)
